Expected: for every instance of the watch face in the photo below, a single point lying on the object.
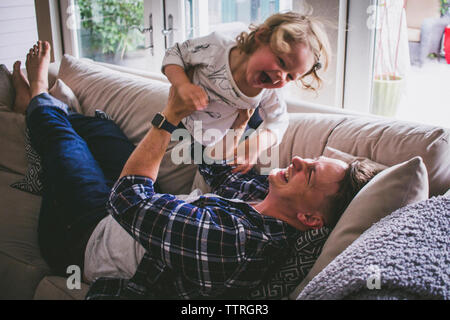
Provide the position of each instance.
(158, 120)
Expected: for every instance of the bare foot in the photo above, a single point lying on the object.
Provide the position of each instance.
(22, 88)
(38, 60)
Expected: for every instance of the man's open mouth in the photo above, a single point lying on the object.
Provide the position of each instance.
(286, 175)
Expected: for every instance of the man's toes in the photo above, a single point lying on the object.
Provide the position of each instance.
(16, 66)
(46, 47)
(39, 47)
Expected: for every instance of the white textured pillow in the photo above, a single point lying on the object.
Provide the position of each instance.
(63, 93)
(393, 188)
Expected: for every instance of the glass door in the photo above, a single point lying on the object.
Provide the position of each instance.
(129, 33)
(136, 33)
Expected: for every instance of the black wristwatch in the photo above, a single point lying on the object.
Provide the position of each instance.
(159, 121)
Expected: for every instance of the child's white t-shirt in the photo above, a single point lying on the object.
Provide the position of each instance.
(208, 56)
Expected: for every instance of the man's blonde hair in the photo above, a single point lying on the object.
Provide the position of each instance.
(282, 29)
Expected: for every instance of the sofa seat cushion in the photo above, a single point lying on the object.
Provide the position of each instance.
(55, 288)
(21, 265)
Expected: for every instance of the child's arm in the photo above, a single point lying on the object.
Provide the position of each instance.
(248, 151)
(225, 148)
(189, 93)
(273, 111)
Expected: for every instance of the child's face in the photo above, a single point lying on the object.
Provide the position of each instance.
(267, 70)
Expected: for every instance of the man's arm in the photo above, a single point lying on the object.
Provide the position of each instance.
(146, 158)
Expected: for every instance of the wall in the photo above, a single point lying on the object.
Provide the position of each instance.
(18, 30)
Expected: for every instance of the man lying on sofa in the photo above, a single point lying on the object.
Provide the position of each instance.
(216, 245)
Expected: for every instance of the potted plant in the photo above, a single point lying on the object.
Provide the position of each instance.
(110, 28)
(388, 82)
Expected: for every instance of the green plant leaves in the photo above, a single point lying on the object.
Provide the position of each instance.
(110, 25)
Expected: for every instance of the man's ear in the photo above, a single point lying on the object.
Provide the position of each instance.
(311, 220)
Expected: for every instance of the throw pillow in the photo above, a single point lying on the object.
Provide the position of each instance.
(393, 188)
(63, 93)
(306, 250)
(7, 92)
(32, 181)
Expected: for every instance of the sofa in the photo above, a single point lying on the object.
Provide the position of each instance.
(416, 158)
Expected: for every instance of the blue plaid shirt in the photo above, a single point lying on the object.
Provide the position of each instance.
(210, 248)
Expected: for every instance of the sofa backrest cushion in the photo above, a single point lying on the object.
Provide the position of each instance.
(390, 142)
(384, 141)
(131, 101)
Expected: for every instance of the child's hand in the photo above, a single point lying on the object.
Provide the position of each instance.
(242, 119)
(193, 95)
(245, 157)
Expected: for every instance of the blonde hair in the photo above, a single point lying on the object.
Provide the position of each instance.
(282, 29)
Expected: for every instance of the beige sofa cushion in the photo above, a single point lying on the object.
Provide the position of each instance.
(55, 288)
(7, 92)
(12, 142)
(306, 136)
(131, 101)
(62, 92)
(348, 158)
(388, 191)
(384, 141)
(21, 265)
(390, 142)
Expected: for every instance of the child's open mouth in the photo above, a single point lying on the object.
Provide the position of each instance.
(266, 79)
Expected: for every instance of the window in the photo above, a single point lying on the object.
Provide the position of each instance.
(136, 33)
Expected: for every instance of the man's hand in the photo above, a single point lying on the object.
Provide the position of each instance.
(176, 109)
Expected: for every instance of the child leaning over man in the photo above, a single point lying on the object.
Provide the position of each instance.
(231, 78)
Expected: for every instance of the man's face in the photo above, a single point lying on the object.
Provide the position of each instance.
(307, 182)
